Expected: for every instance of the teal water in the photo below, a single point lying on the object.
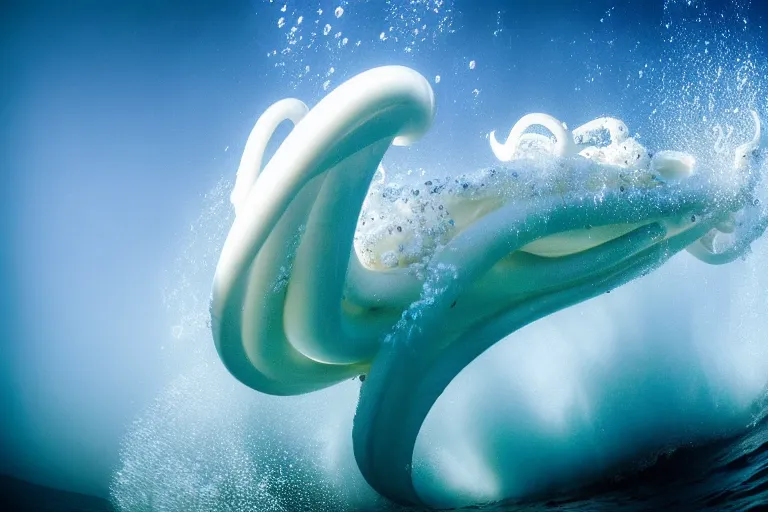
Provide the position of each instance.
(123, 117)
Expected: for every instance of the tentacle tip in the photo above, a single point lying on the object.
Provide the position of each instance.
(498, 149)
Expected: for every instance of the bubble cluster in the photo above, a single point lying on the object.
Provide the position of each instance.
(415, 24)
(187, 290)
(315, 39)
(712, 73)
(208, 444)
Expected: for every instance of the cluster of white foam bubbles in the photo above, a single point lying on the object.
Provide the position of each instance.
(416, 23)
(208, 443)
(677, 357)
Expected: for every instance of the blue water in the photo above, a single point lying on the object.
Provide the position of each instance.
(128, 126)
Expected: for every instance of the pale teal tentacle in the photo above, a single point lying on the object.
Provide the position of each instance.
(412, 371)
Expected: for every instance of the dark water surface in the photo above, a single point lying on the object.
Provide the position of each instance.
(20, 496)
(731, 474)
(728, 475)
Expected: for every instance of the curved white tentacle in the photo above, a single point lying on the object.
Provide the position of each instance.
(563, 146)
(294, 310)
(314, 320)
(386, 104)
(289, 109)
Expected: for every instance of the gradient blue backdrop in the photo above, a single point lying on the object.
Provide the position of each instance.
(115, 117)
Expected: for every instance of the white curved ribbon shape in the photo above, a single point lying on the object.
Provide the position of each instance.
(563, 145)
(250, 163)
(294, 308)
(345, 135)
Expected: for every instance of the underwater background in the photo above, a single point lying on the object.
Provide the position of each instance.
(123, 125)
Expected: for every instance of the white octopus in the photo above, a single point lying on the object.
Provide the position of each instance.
(306, 287)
